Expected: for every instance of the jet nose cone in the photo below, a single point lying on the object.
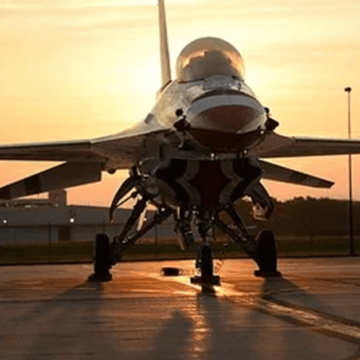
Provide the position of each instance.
(234, 114)
(226, 122)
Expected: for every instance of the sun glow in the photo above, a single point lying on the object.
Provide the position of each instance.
(87, 68)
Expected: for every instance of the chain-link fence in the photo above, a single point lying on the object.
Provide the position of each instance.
(74, 243)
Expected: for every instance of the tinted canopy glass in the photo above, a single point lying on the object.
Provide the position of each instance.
(206, 57)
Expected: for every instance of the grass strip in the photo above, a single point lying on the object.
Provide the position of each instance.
(79, 252)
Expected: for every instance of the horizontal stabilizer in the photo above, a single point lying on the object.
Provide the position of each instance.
(59, 177)
(282, 174)
(278, 146)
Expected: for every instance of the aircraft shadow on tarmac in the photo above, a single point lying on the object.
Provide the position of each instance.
(273, 286)
(199, 326)
(61, 323)
(211, 327)
(286, 292)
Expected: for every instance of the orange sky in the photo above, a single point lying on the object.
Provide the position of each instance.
(85, 68)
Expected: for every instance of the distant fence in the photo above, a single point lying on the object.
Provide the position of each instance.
(55, 233)
(45, 245)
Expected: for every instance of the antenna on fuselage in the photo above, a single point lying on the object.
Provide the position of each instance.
(164, 46)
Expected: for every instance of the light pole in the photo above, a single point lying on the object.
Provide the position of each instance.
(351, 230)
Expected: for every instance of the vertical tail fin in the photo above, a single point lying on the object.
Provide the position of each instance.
(164, 46)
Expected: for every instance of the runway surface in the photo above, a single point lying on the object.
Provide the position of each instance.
(52, 312)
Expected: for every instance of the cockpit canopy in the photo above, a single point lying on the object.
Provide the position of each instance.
(209, 56)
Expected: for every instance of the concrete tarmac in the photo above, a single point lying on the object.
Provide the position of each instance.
(52, 312)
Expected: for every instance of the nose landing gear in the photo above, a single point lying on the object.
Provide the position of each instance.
(204, 259)
(204, 263)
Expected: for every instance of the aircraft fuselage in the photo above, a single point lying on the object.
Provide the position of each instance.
(221, 112)
(208, 110)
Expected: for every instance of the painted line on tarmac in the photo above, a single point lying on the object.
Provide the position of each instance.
(289, 313)
(284, 312)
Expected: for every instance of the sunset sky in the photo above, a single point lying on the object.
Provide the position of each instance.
(85, 68)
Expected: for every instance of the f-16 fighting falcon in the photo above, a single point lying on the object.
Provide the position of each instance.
(197, 152)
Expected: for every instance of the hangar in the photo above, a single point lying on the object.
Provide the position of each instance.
(52, 220)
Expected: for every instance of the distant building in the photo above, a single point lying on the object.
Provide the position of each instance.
(51, 220)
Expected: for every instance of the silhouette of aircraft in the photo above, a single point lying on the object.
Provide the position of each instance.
(199, 150)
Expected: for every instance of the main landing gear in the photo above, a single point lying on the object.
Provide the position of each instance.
(262, 249)
(267, 255)
(106, 254)
(102, 259)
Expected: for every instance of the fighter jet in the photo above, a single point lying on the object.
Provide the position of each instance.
(196, 153)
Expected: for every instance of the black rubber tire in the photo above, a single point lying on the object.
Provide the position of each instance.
(102, 255)
(206, 262)
(267, 252)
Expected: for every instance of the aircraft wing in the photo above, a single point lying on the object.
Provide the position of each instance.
(282, 174)
(121, 149)
(84, 160)
(277, 146)
(50, 151)
(125, 151)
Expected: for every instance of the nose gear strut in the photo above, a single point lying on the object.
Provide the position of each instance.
(204, 260)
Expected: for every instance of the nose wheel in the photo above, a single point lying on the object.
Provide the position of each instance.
(204, 264)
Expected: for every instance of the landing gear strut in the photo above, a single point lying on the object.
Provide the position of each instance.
(262, 249)
(107, 255)
(204, 261)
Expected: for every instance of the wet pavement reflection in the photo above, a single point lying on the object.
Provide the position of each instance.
(51, 312)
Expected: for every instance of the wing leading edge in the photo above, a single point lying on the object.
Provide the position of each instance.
(51, 151)
(122, 149)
